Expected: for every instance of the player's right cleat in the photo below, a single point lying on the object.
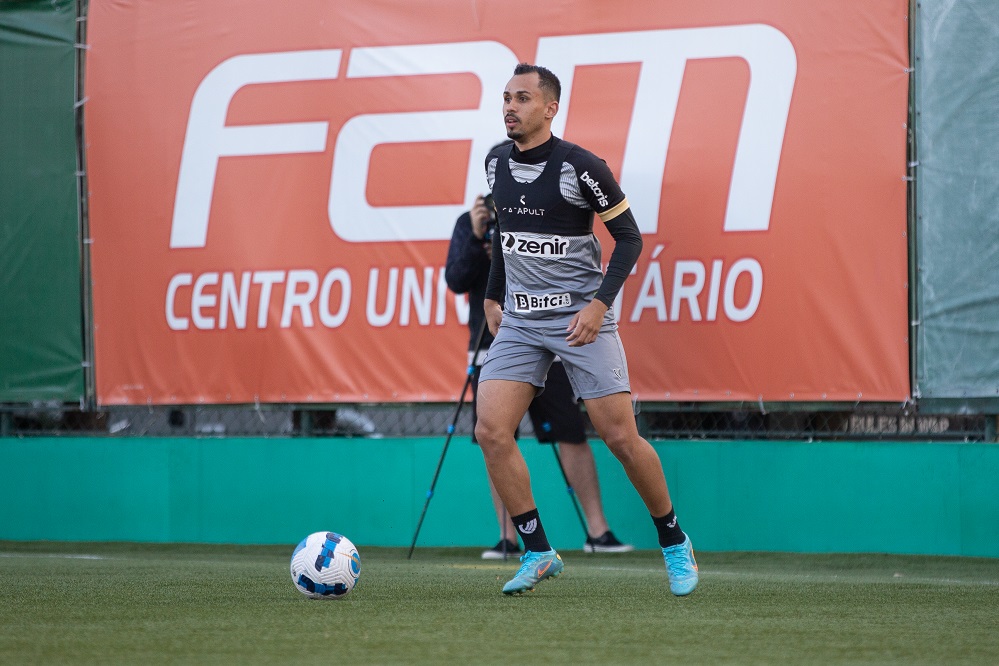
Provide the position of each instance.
(681, 567)
(534, 568)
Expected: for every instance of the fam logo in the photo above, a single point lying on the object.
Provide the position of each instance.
(663, 55)
(533, 245)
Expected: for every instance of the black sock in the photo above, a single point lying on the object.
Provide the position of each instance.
(531, 532)
(669, 530)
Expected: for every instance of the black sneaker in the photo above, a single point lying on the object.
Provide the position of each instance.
(605, 543)
(497, 551)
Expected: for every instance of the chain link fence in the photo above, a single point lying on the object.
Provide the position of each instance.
(655, 421)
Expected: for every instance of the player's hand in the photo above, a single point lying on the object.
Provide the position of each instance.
(586, 324)
(480, 217)
(494, 315)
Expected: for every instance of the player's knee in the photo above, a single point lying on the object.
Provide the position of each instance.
(487, 436)
(623, 443)
(481, 433)
(620, 450)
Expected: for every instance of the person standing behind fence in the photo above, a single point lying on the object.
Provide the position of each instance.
(547, 296)
(555, 414)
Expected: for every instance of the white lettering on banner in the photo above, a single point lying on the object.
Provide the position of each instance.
(752, 268)
(689, 278)
(383, 318)
(409, 290)
(208, 138)
(327, 317)
(266, 280)
(176, 282)
(234, 298)
(301, 300)
(351, 216)
(442, 300)
(663, 55)
(202, 300)
(418, 296)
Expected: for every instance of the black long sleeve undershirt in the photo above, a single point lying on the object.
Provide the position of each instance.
(496, 286)
(627, 248)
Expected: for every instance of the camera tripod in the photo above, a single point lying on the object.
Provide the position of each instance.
(470, 374)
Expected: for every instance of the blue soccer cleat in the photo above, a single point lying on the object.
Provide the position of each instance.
(534, 568)
(681, 568)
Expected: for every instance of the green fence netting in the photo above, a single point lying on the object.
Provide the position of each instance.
(957, 210)
(41, 347)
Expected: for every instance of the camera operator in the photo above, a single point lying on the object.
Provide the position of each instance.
(467, 269)
(555, 414)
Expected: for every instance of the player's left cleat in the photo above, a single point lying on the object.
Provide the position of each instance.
(681, 568)
(534, 568)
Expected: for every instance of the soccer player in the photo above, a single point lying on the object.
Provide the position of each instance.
(555, 413)
(546, 270)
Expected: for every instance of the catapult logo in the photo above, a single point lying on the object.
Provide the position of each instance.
(524, 208)
(533, 245)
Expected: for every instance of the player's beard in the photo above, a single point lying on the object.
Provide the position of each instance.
(517, 131)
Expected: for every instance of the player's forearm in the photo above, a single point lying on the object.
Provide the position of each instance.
(627, 249)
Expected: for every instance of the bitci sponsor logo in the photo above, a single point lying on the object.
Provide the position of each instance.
(524, 302)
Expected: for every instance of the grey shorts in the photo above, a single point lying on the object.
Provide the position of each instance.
(524, 354)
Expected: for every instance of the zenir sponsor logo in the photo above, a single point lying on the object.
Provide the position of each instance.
(533, 245)
(524, 302)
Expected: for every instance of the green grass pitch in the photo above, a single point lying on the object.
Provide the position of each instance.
(99, 603)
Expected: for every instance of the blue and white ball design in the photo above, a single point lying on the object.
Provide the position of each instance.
(325, 565)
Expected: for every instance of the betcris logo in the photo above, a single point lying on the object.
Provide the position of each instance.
(533, 245)
(595, 186)
(663, 55)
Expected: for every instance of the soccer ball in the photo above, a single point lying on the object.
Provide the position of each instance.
(325, 565)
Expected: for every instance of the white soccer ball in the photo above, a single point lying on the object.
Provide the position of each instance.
(325, 565)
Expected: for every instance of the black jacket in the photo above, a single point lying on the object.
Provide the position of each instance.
(467, 272)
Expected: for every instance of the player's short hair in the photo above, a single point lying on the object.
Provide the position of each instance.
(547, 80)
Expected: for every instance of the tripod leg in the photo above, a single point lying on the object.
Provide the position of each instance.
(447, 442)
(571, 491)
(433, 484)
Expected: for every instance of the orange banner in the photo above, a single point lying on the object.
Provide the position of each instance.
(273, 185)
